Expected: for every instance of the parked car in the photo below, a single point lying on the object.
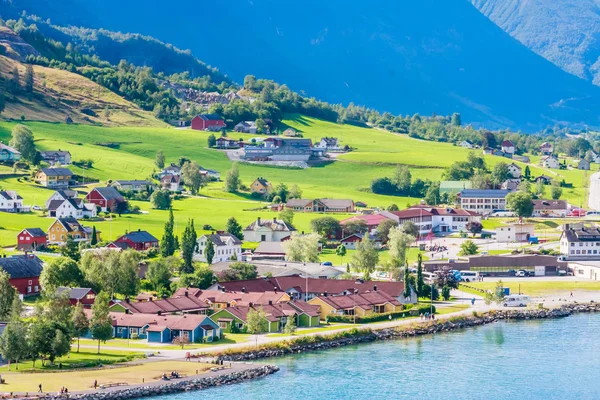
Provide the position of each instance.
(516, 300)
(36, 208)
(521, 273)
(577, 212)
(502, 213)
(327, 264)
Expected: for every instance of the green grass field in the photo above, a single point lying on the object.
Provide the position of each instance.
(376, 154)
(538, 288)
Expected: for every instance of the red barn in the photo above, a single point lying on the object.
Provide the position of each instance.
(208, 122)
(30, 239)
(138, 240)
(104, 197)
(85, 296)
(24, 272)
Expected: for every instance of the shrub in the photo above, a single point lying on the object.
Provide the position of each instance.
(379, 317)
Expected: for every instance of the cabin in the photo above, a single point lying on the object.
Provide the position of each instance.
(8, 154)
(508, 147)
(260, 186)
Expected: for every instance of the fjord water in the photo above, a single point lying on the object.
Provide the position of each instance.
(542, 359)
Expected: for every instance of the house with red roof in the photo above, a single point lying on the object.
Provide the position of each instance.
(508, 147)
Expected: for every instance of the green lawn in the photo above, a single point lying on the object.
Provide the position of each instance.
(533, 287)
(300, 332)
(144, 345)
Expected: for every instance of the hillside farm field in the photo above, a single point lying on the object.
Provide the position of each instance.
(133, 149)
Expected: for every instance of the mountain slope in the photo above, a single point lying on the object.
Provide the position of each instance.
(566, 32)
(425, 56)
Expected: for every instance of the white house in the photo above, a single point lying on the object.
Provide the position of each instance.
(61, 195)
(56, 157)
(466, 144)
(437, 219)
(172, 169)
(226, 246)
(519, 232)
(133, 185)
(508, 147)
(210, 173)
(580, 242)
(246, 127)
(10, 201)
(328, 144)
(514, 170)
(269, 230)
(173, 183)
(71, 207)
(546, 148)
(550, 162)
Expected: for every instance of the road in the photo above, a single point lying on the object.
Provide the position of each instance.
(594, 192)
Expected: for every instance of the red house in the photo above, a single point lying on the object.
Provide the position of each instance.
(105, 197)
(30, 239)
(138, 240)
(24, 272)
(208, 122)
(85, 296)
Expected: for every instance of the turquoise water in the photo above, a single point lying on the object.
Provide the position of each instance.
(545, 359)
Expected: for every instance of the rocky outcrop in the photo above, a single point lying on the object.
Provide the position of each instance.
(170, 388)
(432, 327)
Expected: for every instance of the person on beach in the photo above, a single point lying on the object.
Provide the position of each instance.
(473, 301)
(95, 384)
(571, 294)
(432, 316)
(40, 388)
(421, 316)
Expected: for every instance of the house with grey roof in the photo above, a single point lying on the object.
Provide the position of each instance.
(24, 272)
(55, 177)
(323, 205)
(267, 230)
(56, 157)
(61, 195)
(8, 154)
(482, 201)
(11, 201)
(133, 185)
(71, 207)
(246, 127)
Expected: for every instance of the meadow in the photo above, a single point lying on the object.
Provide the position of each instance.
(375, 154)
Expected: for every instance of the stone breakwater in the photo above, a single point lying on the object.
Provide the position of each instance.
(418, 329)
(162, 389)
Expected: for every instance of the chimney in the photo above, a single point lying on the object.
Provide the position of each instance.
(275, 219)
(151, 299)
(270, 302)
(258, 220)
(159, 313)
(139, 230)
(223, 289)
(186, 293)
(244, 289)
(325, 294)
(164, 296)
(275, 289)
(250, 305)
(374, 288)
(127, 299)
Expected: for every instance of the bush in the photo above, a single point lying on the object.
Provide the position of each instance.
(135, 336)
(379, 317)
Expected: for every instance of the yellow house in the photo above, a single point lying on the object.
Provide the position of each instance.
(261, 186)
(62, 228)
(359, 304)
(54, 177)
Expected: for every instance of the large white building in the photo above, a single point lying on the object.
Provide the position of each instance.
(437, 219)
(227, 247)
(71, 207)
(267, 230)
(519, 232)
(483, 201)
(580, 242)
(10, 201)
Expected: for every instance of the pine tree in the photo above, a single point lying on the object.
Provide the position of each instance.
(29, 78)
(167, 244)
(160, 159)
(188, 245)
(234, 228)
(94, 240)
(14, 86)
(13, 343)
(420, 281)
(210, 251)
(407, 291)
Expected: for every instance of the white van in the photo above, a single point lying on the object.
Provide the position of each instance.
(516, 300)
(428, 277)
(469, 276)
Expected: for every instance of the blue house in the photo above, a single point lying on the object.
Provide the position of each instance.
(197, 328)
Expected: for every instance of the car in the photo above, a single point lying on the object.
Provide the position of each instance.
(521, 273)
(577, 212)
(36, 208)
(327, 264)
(516, 300)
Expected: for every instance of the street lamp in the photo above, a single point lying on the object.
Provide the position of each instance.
(354, 309)
(431, 307)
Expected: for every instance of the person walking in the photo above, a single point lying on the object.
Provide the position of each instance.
(40, 388)
(473, 301)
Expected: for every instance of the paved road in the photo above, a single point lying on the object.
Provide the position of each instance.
(594, 192)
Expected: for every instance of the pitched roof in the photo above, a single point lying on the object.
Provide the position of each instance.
(298, 202)
(209, 117)
(8, 148)
(581, 233)
(73, 293)
(57, 171)
(269, 248)
(10, 195)
(22, 266)
(169, 178)
(550, 204)
(272, 224)
(69, 223)
(139, 236)
(109, 193)
(133, 182)
(363, 300)
(262, 181)
(484, 193)
(220, 239)
(507, 143)
(54, 153)
(172, 304)
(372, 219)
(35, 232)
(337, 203)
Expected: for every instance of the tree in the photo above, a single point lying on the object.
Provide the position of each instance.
(393, 207)
(399, 244)
(212, 140)
(556, 192)
(383, 186)
(495, 296)
(432, 196)
(234, 228)
(527, 172)
(202, 278)
(13, 342)
(71, 249)
(456, 119)
(14, 84)
(302, 248)
(328, 227)
(192, 177)
(410, 228)
(29, 78)
(475, 227)
(112, 272)
(22, 140)
(94, 240)
(101, 323)
(459, 171)
(383, 229)
(407, 290)
(181, 340)
(540, 188)
(232, 180)
(62, 271)
(167, 244)
(256, 322)
(402, 179)
(282, 191)
(7, 295)
(295, 192)
(355, 226)
(341, 251)
(241, 271)
(446, 293)
(287, 216)
(420, 280)
(188, 245)
(480, 180)
(445, 277)
(290, 325)
(209, 252)
(160, 159)
(521, 203)
(500, 173)
(161, 199)
(468, 248)
(365, 257)
(80, 323)
(159, 274)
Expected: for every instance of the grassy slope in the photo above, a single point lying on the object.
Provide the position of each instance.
(347, 178)
(59, 93)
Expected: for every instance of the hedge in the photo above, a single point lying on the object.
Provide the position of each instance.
(379, 317)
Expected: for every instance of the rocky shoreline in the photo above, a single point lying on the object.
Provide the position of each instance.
(372, 335)
(162, 389)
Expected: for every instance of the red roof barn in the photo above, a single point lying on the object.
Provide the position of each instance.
(104, 197)
(31, 239)
(138, 240)
(210, 122)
